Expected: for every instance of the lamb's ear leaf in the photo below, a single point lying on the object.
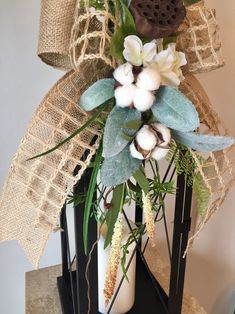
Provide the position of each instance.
(202, 142)
(114, 141)
(97, 94)
(119, 168)
(175, 110)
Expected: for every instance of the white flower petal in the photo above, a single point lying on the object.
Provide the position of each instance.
(170, 79)
(146, 139)
(149, 52)
(124, 74)
(124, 95)
(143, 99)
(149, 79)
(165, 60)
(182, 58)
(133, 49)
(134, 152)
(159, 153)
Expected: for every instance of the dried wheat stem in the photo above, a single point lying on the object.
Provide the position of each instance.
(113, 262)
(149, 217)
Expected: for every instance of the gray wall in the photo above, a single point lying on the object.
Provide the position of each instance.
(24, 80)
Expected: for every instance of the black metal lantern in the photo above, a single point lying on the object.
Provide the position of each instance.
(149, 295)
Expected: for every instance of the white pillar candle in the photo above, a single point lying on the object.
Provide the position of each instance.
(126, 295)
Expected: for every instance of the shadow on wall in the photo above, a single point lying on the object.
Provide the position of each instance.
(206, 278)
(201, 282)
(225, 304)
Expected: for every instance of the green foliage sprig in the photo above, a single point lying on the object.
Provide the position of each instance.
(183, 161)
(134, 237)
(202, 194)
(127, 27)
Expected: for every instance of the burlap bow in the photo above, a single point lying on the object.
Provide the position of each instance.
(74, 36)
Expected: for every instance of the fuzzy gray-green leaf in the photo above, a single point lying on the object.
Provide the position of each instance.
(201, 142)
(119, 168)
(97, 94)
(114, 141)
(175, 110)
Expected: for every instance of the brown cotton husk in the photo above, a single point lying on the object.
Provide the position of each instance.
(217, 169)
(199, 38)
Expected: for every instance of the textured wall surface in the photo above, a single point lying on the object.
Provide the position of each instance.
(24, 81)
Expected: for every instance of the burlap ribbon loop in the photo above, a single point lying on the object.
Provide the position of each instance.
(199, 39)
(56, 21)
(218, 170)
(35, 191)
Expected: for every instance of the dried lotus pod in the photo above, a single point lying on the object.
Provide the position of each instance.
(157, 18)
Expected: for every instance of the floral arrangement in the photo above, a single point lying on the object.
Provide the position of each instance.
(146, 118)
(125, 100)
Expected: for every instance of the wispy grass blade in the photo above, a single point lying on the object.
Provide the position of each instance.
(83, 127)
(90, 194)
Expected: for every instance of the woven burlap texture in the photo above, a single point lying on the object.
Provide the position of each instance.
(35, 191)
(199, 39)
(92, 32)
(217, 169)
(56, 21)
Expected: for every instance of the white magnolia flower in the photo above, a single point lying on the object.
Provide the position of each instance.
(149, 79)
(169, 63)
(124, 95)
(151, 141)
(143, 99)
(138, 54)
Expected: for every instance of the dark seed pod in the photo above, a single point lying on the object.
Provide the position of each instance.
(157, 18)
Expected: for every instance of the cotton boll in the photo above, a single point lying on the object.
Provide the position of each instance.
(146, 139)
(158, 153)
(124, 74)
(143, 99)
(149, 79)
(165, 132)
(124, 95)
(134, 152)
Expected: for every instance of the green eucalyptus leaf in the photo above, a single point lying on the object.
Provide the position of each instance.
(114, 142)
(190, 2)
(175, 110)
(112, 215)
(127, 28)
(201, 142)
(119, 168)
(141, 180)
(97, 94)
